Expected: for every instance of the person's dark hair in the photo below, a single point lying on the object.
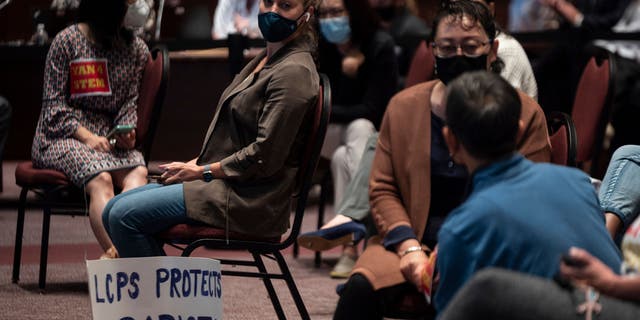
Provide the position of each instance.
(477, 12)
(104, 18)
(483, 112)
(363, 20)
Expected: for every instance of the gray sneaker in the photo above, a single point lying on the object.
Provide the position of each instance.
(343, 268)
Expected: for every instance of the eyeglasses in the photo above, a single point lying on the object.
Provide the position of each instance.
(470, 48)
(330, 12)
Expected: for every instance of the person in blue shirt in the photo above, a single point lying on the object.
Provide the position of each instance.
(519, 215)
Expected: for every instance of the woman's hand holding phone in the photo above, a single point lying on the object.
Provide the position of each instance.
(126, 140)
(122, 136)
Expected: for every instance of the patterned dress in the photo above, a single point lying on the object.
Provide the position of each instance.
(88, 86)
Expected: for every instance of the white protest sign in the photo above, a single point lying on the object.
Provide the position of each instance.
(155, 288)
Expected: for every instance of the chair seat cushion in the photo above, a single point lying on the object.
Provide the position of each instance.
(189, 232)
(28, 176)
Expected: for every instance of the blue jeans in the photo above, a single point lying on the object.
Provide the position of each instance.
(620, 189)
(133, 217)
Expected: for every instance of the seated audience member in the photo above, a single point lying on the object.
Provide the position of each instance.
(406, 29)
(519, 215)
(598, 15)
(626, 106)
(530, 16)
(512, 63)
(354, 209)
(492, 294)
(236, 16)
(619, 192)
(413, 182)
(358, 57)
(72, 132)
(558, 69)
(243, 178)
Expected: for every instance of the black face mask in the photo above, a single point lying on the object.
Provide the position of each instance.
(275, 27)
(386, 13)
(448, 69)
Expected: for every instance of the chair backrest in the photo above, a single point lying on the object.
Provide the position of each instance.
(151, 98)
(591, 106)
(422, 65)
(562, 134)
(310, 157)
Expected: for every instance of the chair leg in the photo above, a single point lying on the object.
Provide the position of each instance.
(44, 247)
(17, 250)
(297, 298)
(269, 286)
(324, 186)
(296, 249)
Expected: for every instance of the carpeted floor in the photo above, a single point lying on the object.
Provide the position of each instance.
(66, 295)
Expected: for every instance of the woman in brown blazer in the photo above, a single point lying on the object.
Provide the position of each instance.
(243, 178)
(413, 182)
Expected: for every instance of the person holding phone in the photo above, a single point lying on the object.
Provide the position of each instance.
(244, 176)
(519, 215)
(583, 280)
(92, 75)
(614, 292)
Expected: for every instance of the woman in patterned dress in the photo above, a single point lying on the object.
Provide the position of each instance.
(92, 74)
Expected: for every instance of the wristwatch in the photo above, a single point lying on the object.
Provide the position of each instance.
(206, 174)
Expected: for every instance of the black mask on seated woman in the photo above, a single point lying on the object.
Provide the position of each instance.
(276, 28)
(450, 68)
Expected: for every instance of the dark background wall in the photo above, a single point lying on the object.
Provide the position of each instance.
(17, 19)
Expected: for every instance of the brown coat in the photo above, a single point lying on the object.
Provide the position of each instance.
(257, 135)
(400, 184)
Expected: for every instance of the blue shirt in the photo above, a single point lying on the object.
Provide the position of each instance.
(521, 216)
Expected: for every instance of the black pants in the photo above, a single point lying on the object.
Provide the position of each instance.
(358, 300)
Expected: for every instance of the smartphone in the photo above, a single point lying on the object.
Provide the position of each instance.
(120, 129)
(570, 261)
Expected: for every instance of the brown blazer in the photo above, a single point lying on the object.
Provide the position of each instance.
(257, 134)
(400, 181)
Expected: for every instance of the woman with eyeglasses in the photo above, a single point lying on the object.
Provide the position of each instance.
(245, 174)
(92, 75)
(358, 57)
(414, 182)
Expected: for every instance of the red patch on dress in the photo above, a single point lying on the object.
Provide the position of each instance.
(89, 77)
